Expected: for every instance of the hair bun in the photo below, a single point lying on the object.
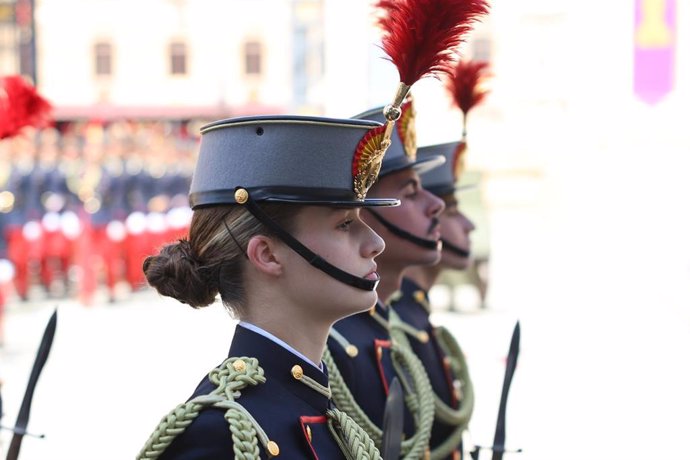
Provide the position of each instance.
(185, 248)
(175, 272)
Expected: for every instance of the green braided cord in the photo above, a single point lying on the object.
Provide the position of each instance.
(346, 402)
(419, 400)
(245, 441)
(381, 320)
(316, 386)
(356, 445)
(452, 349)
(245, 431)
(406, 328)
(449, 445)
(444, 413)
(340, 338)
(460, 417)
(425, 412)
(394, 297)
(169, 427)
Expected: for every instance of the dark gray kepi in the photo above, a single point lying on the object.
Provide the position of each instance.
(292, 160)
(443, 180)
(402, 153)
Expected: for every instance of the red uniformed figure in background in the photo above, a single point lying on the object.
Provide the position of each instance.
(20, 107)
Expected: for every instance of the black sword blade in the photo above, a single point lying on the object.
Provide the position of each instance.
(25, 409)
(393, 422)
(500, 435)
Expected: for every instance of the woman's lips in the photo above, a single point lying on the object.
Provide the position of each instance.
(372, 275)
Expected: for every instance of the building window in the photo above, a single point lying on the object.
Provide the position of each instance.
(178, 58)
(252, 58)
(104, 59)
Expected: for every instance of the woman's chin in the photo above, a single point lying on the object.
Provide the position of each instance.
(365, 301)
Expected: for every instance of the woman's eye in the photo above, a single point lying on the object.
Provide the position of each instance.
(412, 193)
(345, 225)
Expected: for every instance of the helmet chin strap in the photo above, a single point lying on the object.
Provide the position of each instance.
(399, 232)
(457, 250)
(308, 255)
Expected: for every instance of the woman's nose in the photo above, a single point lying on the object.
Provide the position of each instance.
(374, 243)
(435, 206)
(467, 224)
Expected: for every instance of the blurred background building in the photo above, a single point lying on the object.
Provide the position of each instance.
(581, 154)
(126, 74)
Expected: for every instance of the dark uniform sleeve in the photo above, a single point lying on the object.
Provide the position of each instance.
(208, 437)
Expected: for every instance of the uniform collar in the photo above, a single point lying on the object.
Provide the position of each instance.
(409, 288)
(381, 310)
(281, 366)
(282, 343)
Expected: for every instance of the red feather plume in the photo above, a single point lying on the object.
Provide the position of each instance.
(21, 106)
(420, 36)
(464, 84)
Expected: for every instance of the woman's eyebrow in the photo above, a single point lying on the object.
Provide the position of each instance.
(411, 181)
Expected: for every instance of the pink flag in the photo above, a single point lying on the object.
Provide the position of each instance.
(655, 40)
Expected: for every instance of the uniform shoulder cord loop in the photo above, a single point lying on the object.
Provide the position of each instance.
(352, 439)
(455, 417)
(231, 377)
(418, 397)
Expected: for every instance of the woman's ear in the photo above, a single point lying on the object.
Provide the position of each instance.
(261, 252)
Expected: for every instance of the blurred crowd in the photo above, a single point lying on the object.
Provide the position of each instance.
(83, 203)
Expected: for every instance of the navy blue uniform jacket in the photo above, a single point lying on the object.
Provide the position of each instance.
(283, 407)
(430, 353)
(368, 374)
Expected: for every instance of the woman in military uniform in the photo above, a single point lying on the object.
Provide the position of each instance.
(436, 348)
(363, 356)
(277, 233)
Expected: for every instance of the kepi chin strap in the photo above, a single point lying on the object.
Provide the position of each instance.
(457, 250)
(399, 232)
(307, 254)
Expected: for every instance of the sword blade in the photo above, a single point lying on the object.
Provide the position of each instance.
(511, 363)
(25, 409)
(393, 422)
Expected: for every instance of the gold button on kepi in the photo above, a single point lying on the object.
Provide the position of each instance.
(423, 336)
(239, 365)
(419, 296)
(297, 371)
(351, 351)
(241, 196)
(379, 353)
(273, 448)
(309, 436)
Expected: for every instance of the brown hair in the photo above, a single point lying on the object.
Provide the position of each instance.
(212, 260)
